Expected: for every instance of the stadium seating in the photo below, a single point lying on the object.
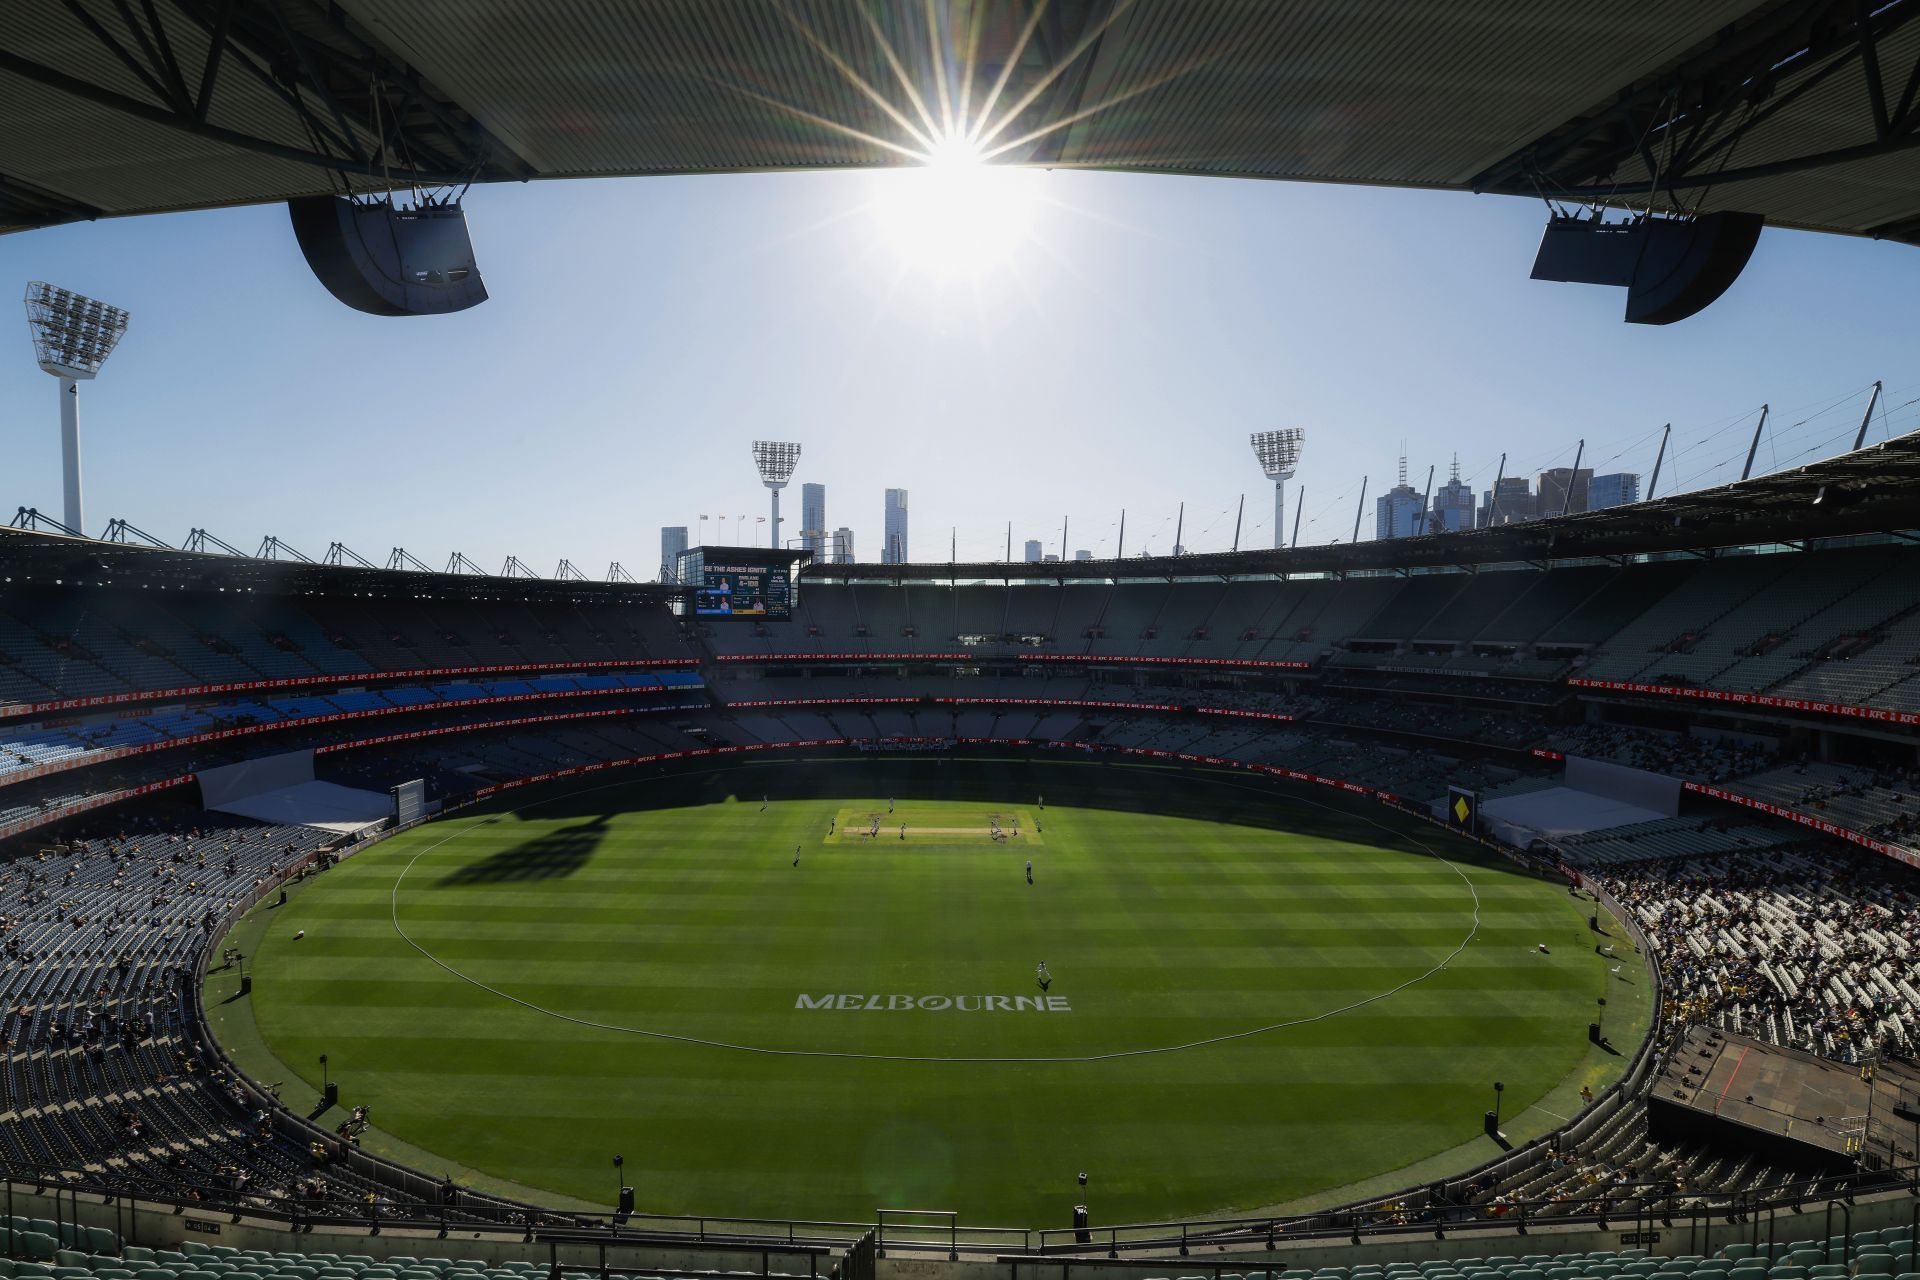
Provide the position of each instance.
(1409, 684)
(52, 646)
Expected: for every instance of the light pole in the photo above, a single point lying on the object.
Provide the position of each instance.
(1278, 453)
(72, 337)
(775, 459)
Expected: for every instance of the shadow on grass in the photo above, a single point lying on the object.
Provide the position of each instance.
(551, 856)
(1095, 783)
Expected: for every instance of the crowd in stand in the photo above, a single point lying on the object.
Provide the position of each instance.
(1813, 948)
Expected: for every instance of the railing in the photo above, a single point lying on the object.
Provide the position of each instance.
(1644, 1207)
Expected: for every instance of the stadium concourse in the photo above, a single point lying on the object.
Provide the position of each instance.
(1767, 696)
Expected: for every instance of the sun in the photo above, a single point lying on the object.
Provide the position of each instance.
(956, 214)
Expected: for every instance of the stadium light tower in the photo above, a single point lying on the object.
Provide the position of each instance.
(1279, 455)
(72, 337)
(776, 461)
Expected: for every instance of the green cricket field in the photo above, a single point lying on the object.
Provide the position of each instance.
(812, 989)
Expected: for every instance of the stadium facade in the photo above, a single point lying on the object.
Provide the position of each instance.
(1715, 694)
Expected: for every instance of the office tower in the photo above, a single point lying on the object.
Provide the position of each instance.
(673, 542)
(1452, 504)
(813, 519)
(1033, 551)
(1396, 513)
(1553, 490)
(1613, 490)
(1083, 554)
(843, 545)
(1515, 502)
(893, 549)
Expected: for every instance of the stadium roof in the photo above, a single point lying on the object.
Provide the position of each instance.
(1801, 110)
(31, 557)
(1873, 491)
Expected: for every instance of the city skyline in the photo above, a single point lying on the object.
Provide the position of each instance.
(878, 367)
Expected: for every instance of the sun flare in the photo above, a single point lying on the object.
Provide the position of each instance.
(956, 214)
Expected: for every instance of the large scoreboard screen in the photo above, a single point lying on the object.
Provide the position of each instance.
(741, 588)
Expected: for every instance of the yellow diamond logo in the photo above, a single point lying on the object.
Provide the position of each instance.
(1460, 809)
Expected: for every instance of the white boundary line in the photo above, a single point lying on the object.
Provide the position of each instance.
(393, 900)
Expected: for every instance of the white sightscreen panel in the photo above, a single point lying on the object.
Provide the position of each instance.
(1562, 811)
(220, 786)
(1655, 791)
(315, 804)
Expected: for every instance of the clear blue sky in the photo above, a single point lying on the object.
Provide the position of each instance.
(1112, 349)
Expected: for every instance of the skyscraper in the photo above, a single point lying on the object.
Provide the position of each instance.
(673, 541)
(813, 519)
(893, 547)
(1396, 513)
(843, 545)
(1452, 504)
(1033, 551)
(1553, 490)
(1515, 502)
(1615, 489)
(1083, 554)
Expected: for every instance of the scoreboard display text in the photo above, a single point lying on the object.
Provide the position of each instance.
(738, 589)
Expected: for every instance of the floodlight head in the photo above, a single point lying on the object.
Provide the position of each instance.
(776, 461)
(72, 334)
(1278, 451)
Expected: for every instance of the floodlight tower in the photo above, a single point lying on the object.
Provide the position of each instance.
(72, 337)
(775, 460)
(1279, 455)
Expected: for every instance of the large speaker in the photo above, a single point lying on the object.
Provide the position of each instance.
(387, 261)
(1670, 267)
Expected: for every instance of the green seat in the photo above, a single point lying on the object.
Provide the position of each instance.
(38, 1246)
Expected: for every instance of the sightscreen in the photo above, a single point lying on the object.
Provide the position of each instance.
(409, 802)
(741, 588)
